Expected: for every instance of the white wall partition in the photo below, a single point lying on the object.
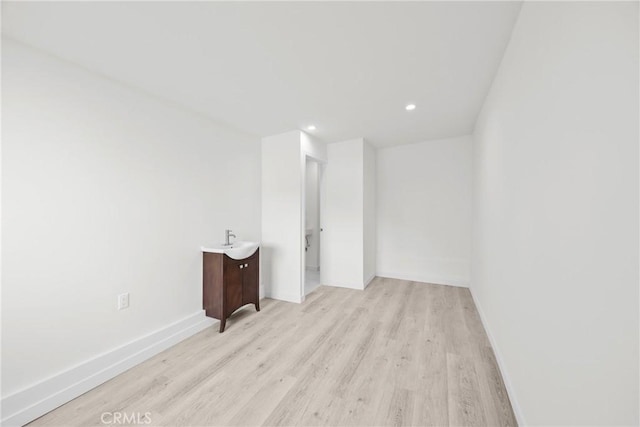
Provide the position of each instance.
(347, 190)
(281, 220)
(424, 211)
(342, 209)
(555, 231)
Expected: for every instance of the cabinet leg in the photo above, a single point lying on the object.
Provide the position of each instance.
(222, 323)
(257, 304)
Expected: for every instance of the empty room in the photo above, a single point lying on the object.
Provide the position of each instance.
(385, 213)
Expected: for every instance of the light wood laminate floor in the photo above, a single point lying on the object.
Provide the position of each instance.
(398, 353)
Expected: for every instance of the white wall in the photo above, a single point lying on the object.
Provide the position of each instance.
(283, 194)
(424, 211)
(312, 214)
(555, 232)
(342, 204)
(346, 181)
(105, 190)
(281, 220)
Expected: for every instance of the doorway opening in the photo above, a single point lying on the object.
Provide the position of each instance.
(311, 241)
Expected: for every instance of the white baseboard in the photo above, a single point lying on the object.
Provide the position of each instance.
(450, 281)
(359, 287)
(344, 285)
(32, 402)
(283, 296)
(517, 411)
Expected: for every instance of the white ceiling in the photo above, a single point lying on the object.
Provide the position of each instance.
(265, 68)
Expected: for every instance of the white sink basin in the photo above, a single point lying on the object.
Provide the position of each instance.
(237, 250)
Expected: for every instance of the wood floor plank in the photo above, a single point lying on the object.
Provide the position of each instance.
(399, 410)
(269, 395)
(399, 353)
(493, 390)
(432, 406)
(465, 404)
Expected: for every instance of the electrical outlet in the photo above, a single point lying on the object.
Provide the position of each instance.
(123, 301)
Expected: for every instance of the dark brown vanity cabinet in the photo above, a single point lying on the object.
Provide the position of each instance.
(228, 284)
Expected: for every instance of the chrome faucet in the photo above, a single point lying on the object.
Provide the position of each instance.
(227, 234)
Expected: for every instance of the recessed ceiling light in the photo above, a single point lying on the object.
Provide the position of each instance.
(410, 107)
(311, 127)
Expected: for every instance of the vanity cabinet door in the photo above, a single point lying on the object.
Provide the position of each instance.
(232, 285)
(250, 280)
